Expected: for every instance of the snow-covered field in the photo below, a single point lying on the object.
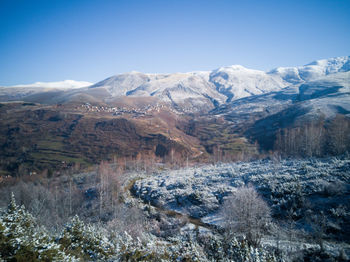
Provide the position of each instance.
(200, 191)
(299, 192)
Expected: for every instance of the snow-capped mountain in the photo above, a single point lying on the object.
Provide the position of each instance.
(236, 82)
(66, 84)
(327, 95)
(319, 90)
(312, 71)
(212, 88)
(182, 90)
(193, 91)
(223, 84)
(31, 92)
(293, 106)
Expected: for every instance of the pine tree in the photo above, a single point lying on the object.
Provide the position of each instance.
(22, 239)
(85, 241)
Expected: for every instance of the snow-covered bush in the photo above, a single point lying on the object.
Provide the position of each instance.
(246, 213)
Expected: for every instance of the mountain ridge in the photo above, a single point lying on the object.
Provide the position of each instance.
(218, 114)
(197, 91)
(219, 86)
(65, 84)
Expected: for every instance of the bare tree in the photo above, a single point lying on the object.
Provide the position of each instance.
(307, 140)
(246, 214)
(104, 172)
(128, 219)
(109, 191)
(338, 132)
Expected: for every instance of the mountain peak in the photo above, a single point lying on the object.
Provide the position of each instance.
(334, 61)
(233, 68)
(313, 70)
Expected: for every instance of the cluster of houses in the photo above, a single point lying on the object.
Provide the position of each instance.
(137, 111)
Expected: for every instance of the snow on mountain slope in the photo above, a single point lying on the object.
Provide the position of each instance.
(120, 85)
(212, 88)
(184, 90)
(339, 82)
(263, 115)
(312, 71)
(198, 89)
(237, 82)
(31, 92)
(329, 95)
(66, 84)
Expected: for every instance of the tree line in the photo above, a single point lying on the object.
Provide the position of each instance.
(316, 139)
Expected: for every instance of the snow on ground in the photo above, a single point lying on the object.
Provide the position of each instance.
(308, 187)
(199, 192)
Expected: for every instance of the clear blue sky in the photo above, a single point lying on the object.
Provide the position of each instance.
(52, 40)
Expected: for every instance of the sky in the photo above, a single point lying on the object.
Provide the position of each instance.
(90, 40)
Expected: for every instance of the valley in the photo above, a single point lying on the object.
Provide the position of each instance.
(153, 167)
(232, 113)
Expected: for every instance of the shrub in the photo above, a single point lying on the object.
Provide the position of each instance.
(246, 213)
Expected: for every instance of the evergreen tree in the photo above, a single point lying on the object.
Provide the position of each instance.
(21, 238)
(85, 241)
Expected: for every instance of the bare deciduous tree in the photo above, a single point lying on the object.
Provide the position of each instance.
(104, 175)
(317, 138)
(109, 190)
(246, 213)
(307, 140)
(127, 219)
(338, 132)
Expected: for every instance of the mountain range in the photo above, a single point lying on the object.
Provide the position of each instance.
(193, 91)
(193, 114)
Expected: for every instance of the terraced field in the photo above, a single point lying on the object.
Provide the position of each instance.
(36, 137)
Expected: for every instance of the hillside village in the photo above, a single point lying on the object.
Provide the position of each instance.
(119, 111)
